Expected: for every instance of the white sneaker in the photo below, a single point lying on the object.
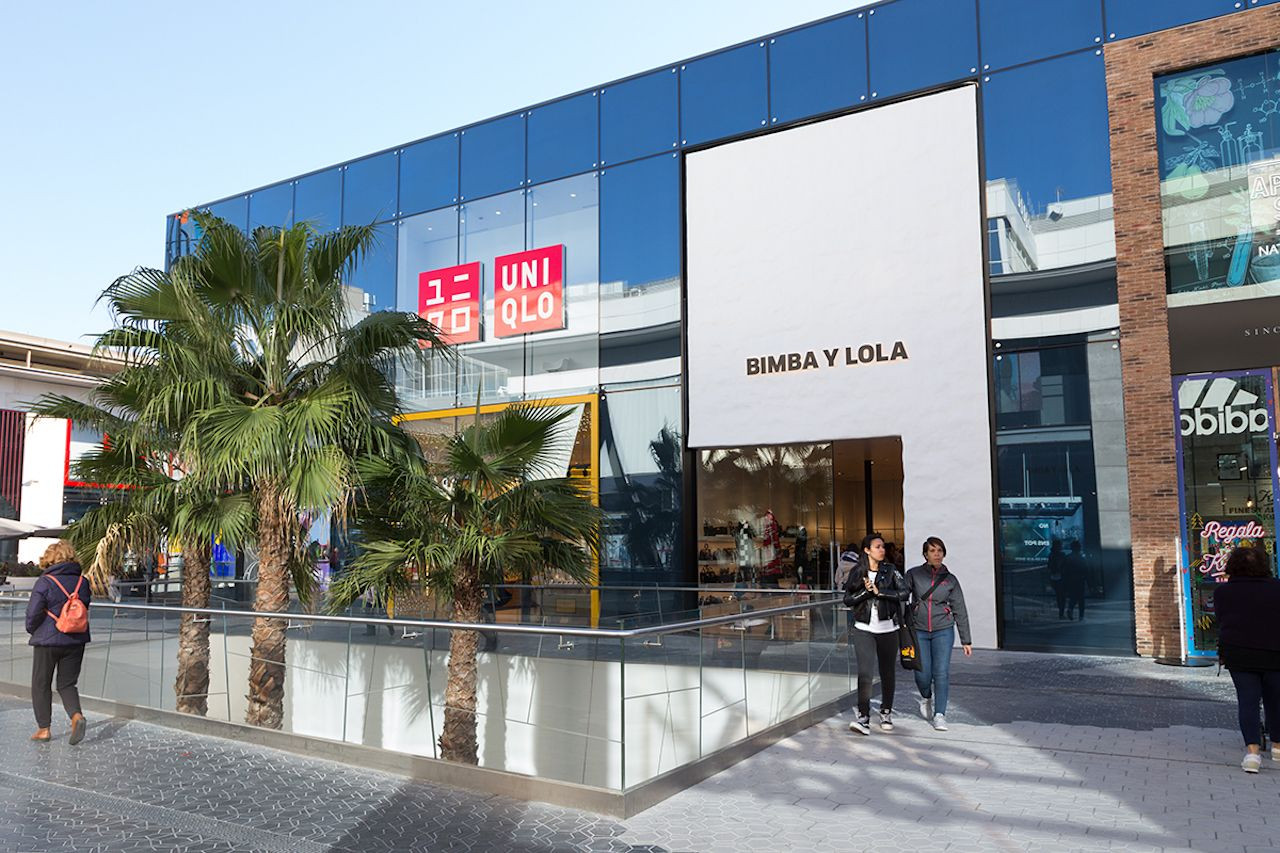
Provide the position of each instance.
(940, 722)
(1252, 762)
(926, 708)
(861, 725)
(886, 720)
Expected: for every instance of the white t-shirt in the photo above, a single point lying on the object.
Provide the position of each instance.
(876, 625)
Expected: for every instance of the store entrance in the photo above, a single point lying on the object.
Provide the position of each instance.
(779, 515)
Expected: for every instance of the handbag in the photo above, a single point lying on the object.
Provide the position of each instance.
(908, 643)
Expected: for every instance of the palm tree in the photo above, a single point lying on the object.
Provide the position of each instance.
(491, 505)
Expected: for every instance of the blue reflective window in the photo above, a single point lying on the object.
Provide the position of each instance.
(493, 157)
(233, 210)
(318, 199)
(1017, 31)
(490, 228)
(427, 242)
(369, 190)
(563, 138)
(1127, 18)
(1046, 129)
(920, 43)
(818, 69)
(375, 274)
(272, 207)
(723, 95)
(429, 174)
(640, 117)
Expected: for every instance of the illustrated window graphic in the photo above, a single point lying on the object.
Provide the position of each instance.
(449, 299)
(529, 292)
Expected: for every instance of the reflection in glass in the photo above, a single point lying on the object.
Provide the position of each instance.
(1015, 31)
(375, 274)
(271, 207)
(429, 174)
(920, 43)
(1048, 165)
(724, 94)
(1126, 18)
(1047, 387)
(426, 242)
(369, 190)
(493, 157)
(567, 213)
(639, 117)
(563, 137)
(318, 199)
(233, 210)
(1219, 145)
(493, 367)
(819, 68)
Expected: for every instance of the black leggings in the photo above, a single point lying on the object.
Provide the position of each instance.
(872, 650)
(65, 660)
(1252, 688)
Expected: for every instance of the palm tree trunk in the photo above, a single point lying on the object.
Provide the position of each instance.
(266, 665)
(458, 738)
(192, 685)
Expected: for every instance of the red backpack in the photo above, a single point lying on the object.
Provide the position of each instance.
(74, 618)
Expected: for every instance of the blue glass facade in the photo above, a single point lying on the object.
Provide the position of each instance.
(599, 172)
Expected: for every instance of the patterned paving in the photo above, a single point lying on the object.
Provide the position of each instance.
(1046, 753)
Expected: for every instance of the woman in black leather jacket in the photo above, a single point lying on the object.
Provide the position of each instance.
(875, 592)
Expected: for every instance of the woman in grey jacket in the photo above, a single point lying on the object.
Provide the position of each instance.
(939, 611)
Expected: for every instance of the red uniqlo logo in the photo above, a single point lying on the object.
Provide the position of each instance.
(449, 299)
(529, 291)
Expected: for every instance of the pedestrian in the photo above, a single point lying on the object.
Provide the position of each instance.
(1074, 579)
(58, 622)
(937, 614)
(876, 594)
(1249, 644)
(1056, 560)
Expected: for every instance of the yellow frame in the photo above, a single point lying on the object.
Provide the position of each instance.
(593, 483)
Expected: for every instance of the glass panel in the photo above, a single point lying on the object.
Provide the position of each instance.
(1219, 143)
(639, 117)
(427, 242)
(495, 366)
(1060, 485)
(563, 138)
(1127, 18)
(271, 207)
(920, 43)
(1017, 31)
(369, 190)
(429, 174)
(375, 275)
(818, 68)
(567, 213)
(641, 480)
(318, 199)
(1227, 497)
(493, 157)
(724, 95)
(233, 210)
(1048, 164)
(640, 269)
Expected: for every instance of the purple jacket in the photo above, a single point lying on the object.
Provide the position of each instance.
(46, 597)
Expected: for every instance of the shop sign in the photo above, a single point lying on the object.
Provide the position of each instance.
(1218, 539)
(816, 359)
(1220, 407)
(529, 292)
(449, 299)
(1264, 205)
(1233, 335)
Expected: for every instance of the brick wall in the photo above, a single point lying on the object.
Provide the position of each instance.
(1149, 417)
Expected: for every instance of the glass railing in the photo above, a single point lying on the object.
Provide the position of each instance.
(606, 707)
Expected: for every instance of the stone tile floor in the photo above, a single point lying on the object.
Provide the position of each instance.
(1046, 752)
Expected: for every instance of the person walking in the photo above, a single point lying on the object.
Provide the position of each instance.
(875, 593)
(937, 614)
(1249, 644)
(1075, 580)
(58, 622)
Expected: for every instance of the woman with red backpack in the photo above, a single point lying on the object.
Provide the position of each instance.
(58, 622)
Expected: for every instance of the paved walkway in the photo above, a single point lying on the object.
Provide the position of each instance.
(1045, 753)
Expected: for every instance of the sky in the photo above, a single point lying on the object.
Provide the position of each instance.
(119, 114)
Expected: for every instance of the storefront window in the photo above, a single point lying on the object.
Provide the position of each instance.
(375, 274)
(1227, 485)
(492, 367)
(1219, 148)
(1047, 387)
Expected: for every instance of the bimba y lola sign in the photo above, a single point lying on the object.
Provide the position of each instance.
(850, 356)
(528, 296)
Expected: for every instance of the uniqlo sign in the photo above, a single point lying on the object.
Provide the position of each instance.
(449, 299)
(529, 291)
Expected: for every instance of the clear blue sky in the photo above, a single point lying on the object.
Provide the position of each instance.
(118, 114)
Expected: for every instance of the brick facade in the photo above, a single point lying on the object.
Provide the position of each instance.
(1149, 415)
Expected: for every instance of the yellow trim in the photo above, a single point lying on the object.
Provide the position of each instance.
(592, 400)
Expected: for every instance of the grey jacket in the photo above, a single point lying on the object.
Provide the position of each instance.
(945, 605)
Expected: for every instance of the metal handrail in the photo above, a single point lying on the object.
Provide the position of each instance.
(554, 586)
(492, 627)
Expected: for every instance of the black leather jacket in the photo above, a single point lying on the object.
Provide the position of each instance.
(893, 593)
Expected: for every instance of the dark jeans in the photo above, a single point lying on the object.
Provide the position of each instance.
(1075, 598)
(1252, 688)
(933, 678)
(875, 650)
(65, 661)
